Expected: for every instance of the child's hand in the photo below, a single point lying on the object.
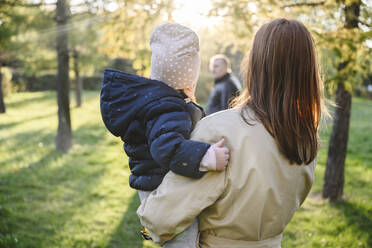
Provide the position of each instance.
(216, 158)
(222, 155)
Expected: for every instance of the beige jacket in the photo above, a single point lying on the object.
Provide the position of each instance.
(248, 205)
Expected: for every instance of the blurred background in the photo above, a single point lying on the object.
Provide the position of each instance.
(64, 178)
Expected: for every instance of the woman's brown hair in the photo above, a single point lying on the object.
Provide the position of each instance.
(284, 88)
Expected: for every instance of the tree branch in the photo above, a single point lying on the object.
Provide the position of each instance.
(364, 23)
(22, 4)
(303, 4)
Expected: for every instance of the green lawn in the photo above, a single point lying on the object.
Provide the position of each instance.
(82, 199)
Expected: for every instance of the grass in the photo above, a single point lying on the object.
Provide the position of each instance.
(82, 199)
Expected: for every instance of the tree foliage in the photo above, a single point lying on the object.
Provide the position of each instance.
(126, 31)
(325, 19)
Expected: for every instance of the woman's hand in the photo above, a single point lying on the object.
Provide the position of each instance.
(222, 155)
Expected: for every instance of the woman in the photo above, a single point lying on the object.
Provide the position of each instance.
(272, 134)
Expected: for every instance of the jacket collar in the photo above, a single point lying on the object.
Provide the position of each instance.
(222, 79)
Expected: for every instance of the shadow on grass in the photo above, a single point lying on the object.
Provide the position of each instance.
(127, 234)
(29, 139)
(38, 200)
(24, 145)
(357, 217)
(32, 194)
(23, 121)
(25, 101)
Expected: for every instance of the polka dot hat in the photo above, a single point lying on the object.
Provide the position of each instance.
(175, 56)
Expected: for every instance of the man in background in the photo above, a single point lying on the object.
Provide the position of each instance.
(225, 87)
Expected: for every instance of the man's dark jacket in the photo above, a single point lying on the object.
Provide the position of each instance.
(223, 92)
(155, 123)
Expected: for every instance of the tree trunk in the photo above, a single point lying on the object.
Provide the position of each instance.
(78, 82)
(64, 135)
(2, 104)
(334, 175)
(333, 186)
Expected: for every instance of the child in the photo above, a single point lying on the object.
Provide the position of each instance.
(154, 117)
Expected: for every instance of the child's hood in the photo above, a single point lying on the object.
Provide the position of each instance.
(124, 95)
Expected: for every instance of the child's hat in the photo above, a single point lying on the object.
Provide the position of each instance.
(175, 55)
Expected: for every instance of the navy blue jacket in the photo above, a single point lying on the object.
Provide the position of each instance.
(155, 123)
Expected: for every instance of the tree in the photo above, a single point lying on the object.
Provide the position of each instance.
(78, 82)
(2, 104)
(10, 18)
(64, 135)
(84, 38)
(6, 60)
(334, 175)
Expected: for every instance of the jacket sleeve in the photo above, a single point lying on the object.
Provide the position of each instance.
(210, 109)
(168, 127)
(173, 206)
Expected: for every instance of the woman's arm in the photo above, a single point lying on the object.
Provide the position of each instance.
(173, 206)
